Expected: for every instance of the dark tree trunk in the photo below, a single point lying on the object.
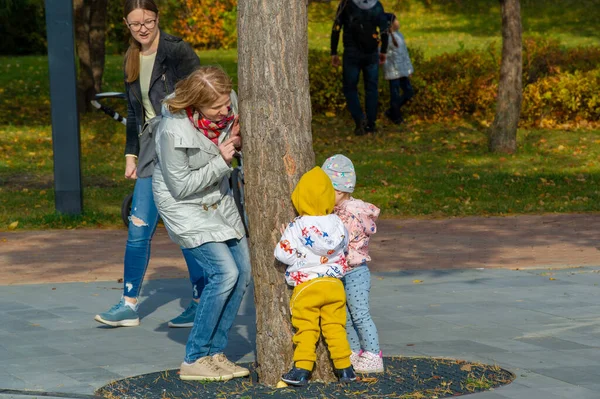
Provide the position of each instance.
(275, 116)
(503, 132)
(90, 33)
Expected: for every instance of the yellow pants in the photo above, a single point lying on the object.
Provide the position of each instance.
(322, 298)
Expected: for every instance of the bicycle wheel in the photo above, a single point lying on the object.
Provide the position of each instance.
(237, 186)
(126, 209)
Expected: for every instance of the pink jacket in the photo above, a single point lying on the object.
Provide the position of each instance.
(359, 219)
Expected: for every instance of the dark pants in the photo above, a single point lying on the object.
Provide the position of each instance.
(353, 63)
(397, 100)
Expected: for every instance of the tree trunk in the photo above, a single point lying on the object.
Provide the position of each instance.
(503, 132)
(275, 114)
(90, 32)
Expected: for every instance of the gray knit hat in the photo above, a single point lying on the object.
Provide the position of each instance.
(341, 172)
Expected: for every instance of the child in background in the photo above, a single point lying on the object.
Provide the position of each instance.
(359, 219)
(314, 246)
(397, 69)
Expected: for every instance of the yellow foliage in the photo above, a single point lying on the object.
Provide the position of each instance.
(208, 24)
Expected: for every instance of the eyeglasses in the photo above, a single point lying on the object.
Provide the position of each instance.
(136, 26)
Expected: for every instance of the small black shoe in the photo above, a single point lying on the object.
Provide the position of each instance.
(371, 129)
(297, 377)
(360, 129)
(395, 121)
(345, 375)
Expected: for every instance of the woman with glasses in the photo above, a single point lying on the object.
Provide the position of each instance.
(154, 63)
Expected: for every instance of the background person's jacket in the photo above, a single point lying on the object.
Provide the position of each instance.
(175, 60)
(360, 25)
(397, 64)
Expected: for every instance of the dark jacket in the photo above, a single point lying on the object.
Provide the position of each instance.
(360, 28)
(175, 60)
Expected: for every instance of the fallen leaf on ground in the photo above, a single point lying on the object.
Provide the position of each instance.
(13, 225)
(417, 281)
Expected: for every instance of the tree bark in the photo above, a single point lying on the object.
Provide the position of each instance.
(90, 33)
(275, 115)
(503, 132)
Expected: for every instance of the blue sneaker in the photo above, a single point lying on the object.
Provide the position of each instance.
(296, 376)
(119, 315)
(185, 319)
(345, 375)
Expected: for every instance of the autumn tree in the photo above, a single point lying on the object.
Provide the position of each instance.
(90, 33)
(276, 116)
(503, 132)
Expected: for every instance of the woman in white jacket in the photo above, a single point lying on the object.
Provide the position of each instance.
(397, 70)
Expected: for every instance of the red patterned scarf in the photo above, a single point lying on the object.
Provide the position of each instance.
(211, 129)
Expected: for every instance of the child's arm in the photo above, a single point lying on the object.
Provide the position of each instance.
(285, 251)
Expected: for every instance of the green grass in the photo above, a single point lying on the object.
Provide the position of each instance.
(418, 170)
(449, 25)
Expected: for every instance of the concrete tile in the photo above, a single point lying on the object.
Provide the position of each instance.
(571, 375)
(7, 306)
(552, 343)
(572, 392)
(19, 326)
(10, 381)
(32, 315)
(92, 375)
(47, 380)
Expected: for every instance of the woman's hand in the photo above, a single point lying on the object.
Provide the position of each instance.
(235, 132)
(130, 168)
(227, 148)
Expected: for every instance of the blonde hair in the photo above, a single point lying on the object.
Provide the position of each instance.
(200, 89)
(132, 56)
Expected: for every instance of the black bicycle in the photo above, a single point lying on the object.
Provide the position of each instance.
(236, 180)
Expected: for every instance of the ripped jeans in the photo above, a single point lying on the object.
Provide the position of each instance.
(142, 225)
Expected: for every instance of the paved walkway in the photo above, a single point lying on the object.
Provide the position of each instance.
(510, 291)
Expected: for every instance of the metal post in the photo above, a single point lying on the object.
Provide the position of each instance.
(65, 117)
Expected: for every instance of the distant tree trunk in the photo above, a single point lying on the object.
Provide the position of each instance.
(90, 33)
(275, 115)
(503, 132)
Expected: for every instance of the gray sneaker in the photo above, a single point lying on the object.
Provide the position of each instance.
(186, 318)
(119, 315)
(203, 369)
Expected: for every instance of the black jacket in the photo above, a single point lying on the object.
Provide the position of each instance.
(175, 60)
(360, 28)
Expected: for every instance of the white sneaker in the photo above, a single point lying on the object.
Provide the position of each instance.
(354, 357)
(369, 363)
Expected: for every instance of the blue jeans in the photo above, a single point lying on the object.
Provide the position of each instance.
(353, 63)
(228, 274)
(142, 225)
(397, 100)
(361, 330)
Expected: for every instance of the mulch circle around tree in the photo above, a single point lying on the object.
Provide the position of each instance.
(404, 378)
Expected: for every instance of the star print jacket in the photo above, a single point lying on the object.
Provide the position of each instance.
(313, 246)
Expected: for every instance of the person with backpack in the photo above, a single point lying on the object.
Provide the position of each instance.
(363, 23)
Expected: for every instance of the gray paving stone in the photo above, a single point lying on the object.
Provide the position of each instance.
(44, 379)
(18, 326)
(96, 376)
(7, 306)
(10, 381)
(32, 315)
(552, 343)
(571, 375)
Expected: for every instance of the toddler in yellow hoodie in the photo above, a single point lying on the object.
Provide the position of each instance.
(314, 247)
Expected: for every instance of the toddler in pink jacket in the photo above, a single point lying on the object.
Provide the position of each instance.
(359, 219)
